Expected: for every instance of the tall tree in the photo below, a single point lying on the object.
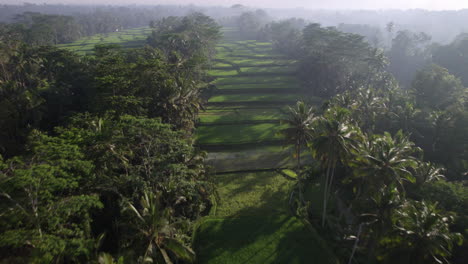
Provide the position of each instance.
(422, 235)
(333, 141)
(47, 202)
(157, 234)
(436, 88)
(299, 133)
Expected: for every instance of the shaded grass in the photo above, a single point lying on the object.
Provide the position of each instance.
(255, 98)
(250, 222)
(238, 133)
(130, 38)
(258, 158)
(239, 106)
(261, 239)
(314, 193)
(240, 115)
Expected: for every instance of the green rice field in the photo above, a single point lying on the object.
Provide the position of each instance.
(260, 239)
(129, 38)
(241, 115)
(283, 98)
(239, 133)
(279, 85)
(250, 221)
(256, 80)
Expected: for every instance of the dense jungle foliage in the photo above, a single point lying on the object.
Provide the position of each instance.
(99, 162)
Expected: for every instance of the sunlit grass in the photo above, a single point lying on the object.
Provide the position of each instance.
(222, 65)
(259, 62)
(290, 85)
(241, 192)
(290, 173)
(274, 69)
(127, 38)
(256, 79)
(222, 72)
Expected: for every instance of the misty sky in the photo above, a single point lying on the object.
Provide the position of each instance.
(328, 4)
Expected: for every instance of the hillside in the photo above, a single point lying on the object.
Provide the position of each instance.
(240, 130)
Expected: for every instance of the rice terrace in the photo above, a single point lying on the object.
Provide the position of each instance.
(253, 86)
(240, 129)
(128, 38)
(220, 133)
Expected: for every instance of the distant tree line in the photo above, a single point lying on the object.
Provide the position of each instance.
(48, 28)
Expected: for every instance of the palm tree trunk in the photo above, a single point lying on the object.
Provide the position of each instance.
(330, 183)
(299, 176)
(355, 244)
(373, 245)
(298, 153)
(324, 211)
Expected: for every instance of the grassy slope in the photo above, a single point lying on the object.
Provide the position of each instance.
(256, 79)
(238, 116)
(254, 62)
(286, 98)
(238, 133)
(130, 38)
(251, 222)
(256, 226)
(252, 194)
(248, 158)
(260, 239)
(278, 85)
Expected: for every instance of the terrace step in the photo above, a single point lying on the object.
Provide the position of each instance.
(243, 107)
(260, 90)
(260, 86)
(259, 104)
(248, 80)
(255, 160)
(244, 122)
(259, 57)
(251, 64)
(260, 74)
(240, 146)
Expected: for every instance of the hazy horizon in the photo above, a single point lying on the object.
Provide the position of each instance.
(309, 4)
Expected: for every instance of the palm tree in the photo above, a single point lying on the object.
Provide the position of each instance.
(423, 233)
(380, 208)
(106, 258)
(299, 132)
(386, 161)
(333, 141)
(376, 63)
(383, 164)
(158, 233)
(377, 219)
(428, 172)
